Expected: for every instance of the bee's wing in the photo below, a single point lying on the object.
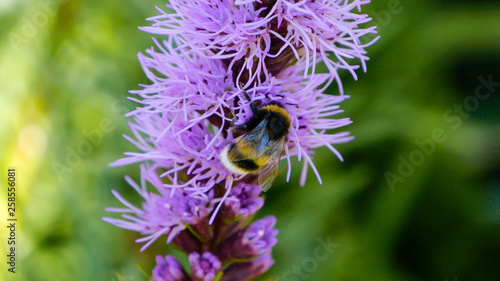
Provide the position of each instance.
(253, 144)
(268, 174)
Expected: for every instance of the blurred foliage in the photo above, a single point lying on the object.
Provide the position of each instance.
(66, 67)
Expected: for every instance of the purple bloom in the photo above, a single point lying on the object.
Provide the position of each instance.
(243, 201)
(205, 267)
(213, 48)
(184, 220)
(165, 213)
(256, 239)
(244, 271)
(173, 128)
(168, 269)
(184, 126)
(255, 38)
(217, 54)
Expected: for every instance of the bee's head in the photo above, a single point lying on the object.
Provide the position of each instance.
(276, 124)
(279, 120)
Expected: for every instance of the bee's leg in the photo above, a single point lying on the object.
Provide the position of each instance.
(238, 130)
(252, 104)
(234, 127)
(233, 122)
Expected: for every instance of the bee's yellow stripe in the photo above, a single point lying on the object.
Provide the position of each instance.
(278, 110)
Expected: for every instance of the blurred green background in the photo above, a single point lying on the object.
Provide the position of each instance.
(66, 67)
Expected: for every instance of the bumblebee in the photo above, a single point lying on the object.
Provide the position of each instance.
(258, 150)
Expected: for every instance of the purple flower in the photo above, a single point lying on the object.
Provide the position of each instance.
(244, 271)
(166, 213)
(168, 269)
(256, 38)
(215, 48)
(184, 220)
(222, 59)
(173, 128)
(185, 121)
(205, 267)
(256, 239)
(243, 201)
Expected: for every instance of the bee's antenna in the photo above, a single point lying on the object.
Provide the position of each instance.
(252, 104)
(246, 96)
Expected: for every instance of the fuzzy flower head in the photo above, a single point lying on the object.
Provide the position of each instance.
(174, 128)
(190, 107)
(168, 269)
(257, 38)
(163, 212)
(243, 201)
(215, 52)
(256, 239)
(205, 267)
(215, 79)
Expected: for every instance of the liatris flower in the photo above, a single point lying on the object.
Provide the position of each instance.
(255, 240)
(183, 219)
(242, 202)
(163, 213)
(257, 38)
(168, 269)
(205, 267)
(183, 128)
(220, 61)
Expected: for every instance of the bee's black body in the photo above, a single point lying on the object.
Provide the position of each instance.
(279, 120)
(259, 148)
